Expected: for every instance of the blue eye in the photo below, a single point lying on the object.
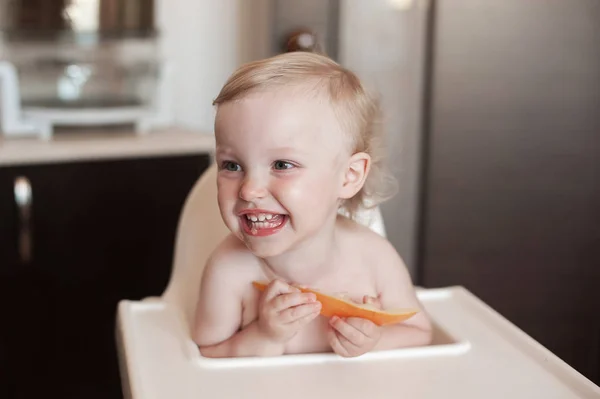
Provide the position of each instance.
(282, 165)
(231, 166)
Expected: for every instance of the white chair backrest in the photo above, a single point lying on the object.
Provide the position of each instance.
(200, 230)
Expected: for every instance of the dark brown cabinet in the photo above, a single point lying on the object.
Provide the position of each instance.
(102, 231)
(512, 172)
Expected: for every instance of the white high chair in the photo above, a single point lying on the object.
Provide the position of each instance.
(476, 353)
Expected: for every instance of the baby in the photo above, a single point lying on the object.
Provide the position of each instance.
(297, 145)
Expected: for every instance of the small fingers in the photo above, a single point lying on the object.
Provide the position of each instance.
(341, 345)
(348, 331)
(290, 315)
(299, 285)
(276, 288)
(335, 343)
(300, 322)
(286, 301)
(366, 327)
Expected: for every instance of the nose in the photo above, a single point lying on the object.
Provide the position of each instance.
(252, 188)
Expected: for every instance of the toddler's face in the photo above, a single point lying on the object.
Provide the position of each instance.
(281, 158)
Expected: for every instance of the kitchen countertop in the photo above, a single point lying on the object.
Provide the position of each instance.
(79, 146)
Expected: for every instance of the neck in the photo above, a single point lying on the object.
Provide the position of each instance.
(307, 262)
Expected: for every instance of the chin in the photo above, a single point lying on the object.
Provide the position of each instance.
(263, 248)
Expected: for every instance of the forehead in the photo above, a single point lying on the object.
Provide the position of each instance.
(284, 118)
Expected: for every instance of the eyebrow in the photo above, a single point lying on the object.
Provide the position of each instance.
(223, 151)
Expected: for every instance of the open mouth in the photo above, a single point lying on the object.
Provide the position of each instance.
(262, 224)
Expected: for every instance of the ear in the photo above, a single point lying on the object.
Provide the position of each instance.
(355, 174)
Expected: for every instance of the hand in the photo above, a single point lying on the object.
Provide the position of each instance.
(354, 336)
(283, 310)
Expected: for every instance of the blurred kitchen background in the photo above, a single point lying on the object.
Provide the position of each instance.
(492, 110)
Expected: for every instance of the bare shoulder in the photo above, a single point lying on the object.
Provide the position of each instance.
(231, 264)
(373, 246)
(386, 267)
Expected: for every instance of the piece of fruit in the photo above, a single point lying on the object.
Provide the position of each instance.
(336, 306)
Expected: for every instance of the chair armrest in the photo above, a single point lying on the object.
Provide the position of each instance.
(152, 346)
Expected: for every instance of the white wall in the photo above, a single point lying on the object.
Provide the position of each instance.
(384, 46)
(207, 40)
(198, 36)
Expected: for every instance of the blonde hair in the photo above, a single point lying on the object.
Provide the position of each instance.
(357, 111)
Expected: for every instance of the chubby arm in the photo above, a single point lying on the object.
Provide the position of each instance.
(218, 318)
(397, 291)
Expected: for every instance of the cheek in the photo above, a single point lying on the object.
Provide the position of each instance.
(306, 191)
(227, 191)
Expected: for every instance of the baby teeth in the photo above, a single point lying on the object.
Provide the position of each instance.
(260, 217)
(261, 221)
(264, 225)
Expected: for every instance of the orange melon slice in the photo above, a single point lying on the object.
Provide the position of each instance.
(336, 306)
